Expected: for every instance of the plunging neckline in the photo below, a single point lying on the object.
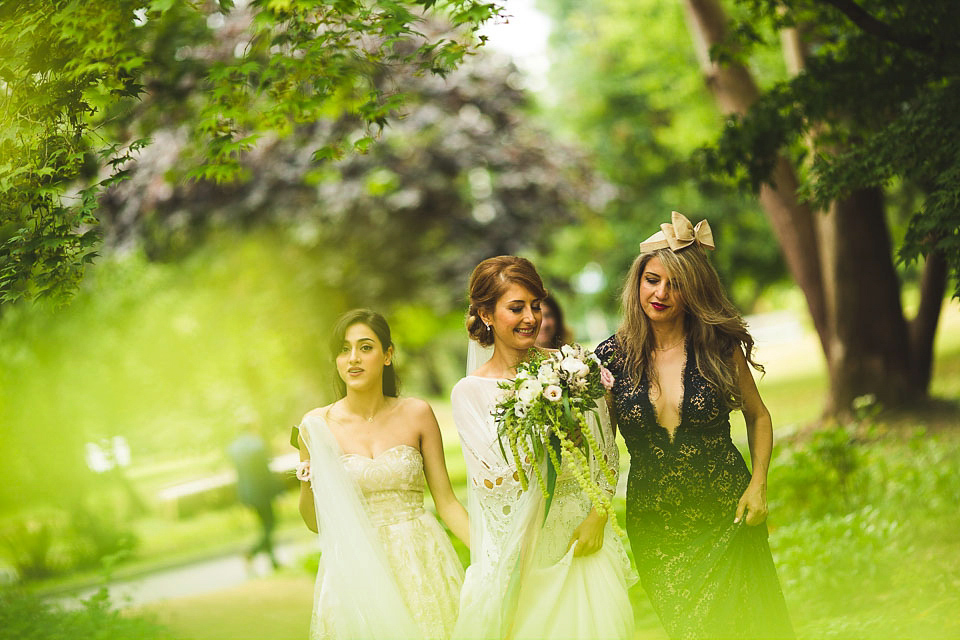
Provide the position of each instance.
(671, 436)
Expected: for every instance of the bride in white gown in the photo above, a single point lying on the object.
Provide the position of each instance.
(563, 577)
(387, 568)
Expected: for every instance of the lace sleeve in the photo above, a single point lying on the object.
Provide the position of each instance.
(493, 477)
(609, 453)
(503, 516)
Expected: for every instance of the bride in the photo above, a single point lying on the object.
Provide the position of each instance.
(387, 568)
(563, 577)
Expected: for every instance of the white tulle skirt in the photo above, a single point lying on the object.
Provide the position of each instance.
(427, 572)
(578, 597)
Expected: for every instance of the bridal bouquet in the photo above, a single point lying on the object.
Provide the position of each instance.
(542, 414)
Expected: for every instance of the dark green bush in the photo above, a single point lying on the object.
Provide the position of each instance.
(43, 542)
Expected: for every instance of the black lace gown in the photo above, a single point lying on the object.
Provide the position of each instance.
(706, 576)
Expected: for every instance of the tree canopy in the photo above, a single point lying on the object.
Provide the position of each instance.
(835, 151)
(878, 88)
(72, 75)
(463, 174)
(628, 90)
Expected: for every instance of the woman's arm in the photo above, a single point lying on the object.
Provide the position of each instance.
(760, 439)
(307, 507)
(435, 469)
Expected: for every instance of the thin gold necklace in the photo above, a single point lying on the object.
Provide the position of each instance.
(373, 415)
(674, 345)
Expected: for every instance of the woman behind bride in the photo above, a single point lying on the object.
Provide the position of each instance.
(565, 576)
(387, 568)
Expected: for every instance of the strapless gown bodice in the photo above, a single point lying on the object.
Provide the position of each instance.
(391, 483)
(427, 570)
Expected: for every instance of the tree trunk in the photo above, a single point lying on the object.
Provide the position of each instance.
(869, 348)
(923, 328)
(792, 221)
(841, 258)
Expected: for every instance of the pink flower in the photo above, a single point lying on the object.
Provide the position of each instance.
(606, 378)
(303, 471)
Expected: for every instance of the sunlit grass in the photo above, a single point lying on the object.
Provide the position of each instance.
(275, 608)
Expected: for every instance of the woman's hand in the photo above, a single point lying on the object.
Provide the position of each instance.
(589, 535)
(754, 503)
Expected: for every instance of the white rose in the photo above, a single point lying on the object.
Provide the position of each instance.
(553, 393)
(567, 350)
(574, 367)
(303, 471)
(547, 375)
(529, 390)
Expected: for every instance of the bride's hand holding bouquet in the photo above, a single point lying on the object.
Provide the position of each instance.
(542, 416)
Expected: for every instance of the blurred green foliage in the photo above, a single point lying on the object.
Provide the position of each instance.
(74, 75)
(626, 86)
(170, 356)
(465, 174)
(866, 533)
(26, 616)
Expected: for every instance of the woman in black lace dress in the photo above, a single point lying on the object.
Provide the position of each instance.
(695, 513)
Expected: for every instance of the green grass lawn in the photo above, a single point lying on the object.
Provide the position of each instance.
(274, 608)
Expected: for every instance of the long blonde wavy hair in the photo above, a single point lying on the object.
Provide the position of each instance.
(711, 322)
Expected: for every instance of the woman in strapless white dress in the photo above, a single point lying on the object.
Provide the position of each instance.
(387, 567)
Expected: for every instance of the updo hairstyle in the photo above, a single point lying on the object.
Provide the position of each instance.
(489, 280)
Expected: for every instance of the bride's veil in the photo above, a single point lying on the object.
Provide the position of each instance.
(477, 355)
(499, 561)
(364, 599)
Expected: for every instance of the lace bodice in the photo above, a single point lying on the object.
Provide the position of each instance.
(391, 483)
(705, 574)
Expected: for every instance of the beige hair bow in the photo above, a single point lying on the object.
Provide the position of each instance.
(679, 235)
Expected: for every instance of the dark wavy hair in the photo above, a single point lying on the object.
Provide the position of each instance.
(561, 334)
(378, 324)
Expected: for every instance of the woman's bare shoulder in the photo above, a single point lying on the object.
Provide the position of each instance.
(320, 412)
(412, 407)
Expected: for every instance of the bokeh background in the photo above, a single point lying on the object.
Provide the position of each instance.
(567, 138)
